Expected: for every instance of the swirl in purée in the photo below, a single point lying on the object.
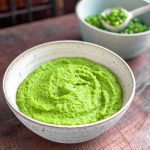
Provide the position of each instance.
(70, 91)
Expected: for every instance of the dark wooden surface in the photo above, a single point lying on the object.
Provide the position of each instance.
(132, 132)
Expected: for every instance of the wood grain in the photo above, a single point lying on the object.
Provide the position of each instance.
(132, 132)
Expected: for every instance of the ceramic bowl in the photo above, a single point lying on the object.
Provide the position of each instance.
(34, 57)
(125, 45)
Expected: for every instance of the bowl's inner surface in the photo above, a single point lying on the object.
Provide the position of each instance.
(94, 7)
(31, 59)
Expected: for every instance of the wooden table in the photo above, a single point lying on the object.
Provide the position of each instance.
(132, 132)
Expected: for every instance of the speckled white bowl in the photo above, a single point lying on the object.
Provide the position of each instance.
(125, 45)
(32, 58)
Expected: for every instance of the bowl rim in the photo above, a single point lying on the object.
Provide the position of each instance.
(105, 31)
(8, 101)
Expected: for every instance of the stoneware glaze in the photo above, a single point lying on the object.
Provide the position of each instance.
(125, 45)
(32, 58)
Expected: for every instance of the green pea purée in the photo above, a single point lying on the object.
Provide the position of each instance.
(70, 91)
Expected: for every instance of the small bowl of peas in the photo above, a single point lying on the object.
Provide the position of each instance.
(129, 42)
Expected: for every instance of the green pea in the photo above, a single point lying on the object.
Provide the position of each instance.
(115, 18)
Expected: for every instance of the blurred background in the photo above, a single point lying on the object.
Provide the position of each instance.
(14, 12)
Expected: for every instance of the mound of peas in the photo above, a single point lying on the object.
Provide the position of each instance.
(115, 18)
